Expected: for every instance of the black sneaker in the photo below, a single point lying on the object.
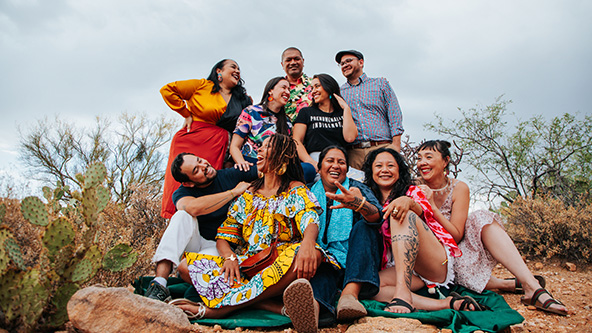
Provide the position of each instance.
(158, 292)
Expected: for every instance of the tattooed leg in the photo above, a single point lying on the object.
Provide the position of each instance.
(405, 245)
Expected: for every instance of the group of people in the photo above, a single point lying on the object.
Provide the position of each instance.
(320, 239)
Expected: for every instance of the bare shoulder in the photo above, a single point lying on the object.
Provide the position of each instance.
(295, 183)
(461, 189)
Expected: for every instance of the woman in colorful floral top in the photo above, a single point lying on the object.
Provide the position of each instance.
(277, 210)
(258, 122)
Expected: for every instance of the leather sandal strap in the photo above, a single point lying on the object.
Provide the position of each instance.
(537, 294)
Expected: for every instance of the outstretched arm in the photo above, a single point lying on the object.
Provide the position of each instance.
(210, 203)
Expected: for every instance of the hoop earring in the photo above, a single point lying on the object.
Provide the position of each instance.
(282, 169)
(219, 77)
(270, 98)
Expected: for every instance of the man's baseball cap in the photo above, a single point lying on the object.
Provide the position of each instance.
(355, 53)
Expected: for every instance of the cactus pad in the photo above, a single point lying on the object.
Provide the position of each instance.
(103, 196)
(81, 271)
(14, 252)
(119, 258)
(58, 234)
(60, 301)
(34, 211)
(95, 175)
(33, 296)
(2, 212)
(62, 258)
(4, 256)
(9, 293)
(47, 193)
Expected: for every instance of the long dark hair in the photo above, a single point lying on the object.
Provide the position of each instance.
(440, 146)
(331, 87)
(239, 89)
(401, 185)
(283, 151)
(282, 119)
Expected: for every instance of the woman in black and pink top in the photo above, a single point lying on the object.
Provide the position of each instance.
(328, 121)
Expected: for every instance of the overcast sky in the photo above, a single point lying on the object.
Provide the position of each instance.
(83, 58)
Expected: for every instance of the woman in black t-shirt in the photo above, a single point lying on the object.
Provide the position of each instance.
(328, 121)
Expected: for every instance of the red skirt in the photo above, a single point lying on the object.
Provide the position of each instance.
(204, 140)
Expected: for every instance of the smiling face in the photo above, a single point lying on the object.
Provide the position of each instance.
(262, 153)
(281, 92)
(199, 171)
(230, 73)
(333, 168)
(385, 171)
(318, 92)
(293, 63)
(351, 66)
(431, 164)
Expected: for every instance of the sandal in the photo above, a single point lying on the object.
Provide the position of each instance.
(467, 301)
(201, 312)
(399, 302)
(534, 301)
(518, 286)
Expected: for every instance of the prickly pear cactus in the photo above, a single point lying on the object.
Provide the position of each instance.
(119, 258)
(95, 175)
(14, 252)
(60, 302)
(9, 293)
(34, 211)
(2, 212)
(33, 296)
(57, 235)
(4, 256)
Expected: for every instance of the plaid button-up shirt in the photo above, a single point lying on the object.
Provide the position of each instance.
(374, 107)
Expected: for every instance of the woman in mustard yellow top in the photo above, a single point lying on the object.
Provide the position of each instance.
(210, 107)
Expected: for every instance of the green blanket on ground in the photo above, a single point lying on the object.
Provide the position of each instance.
(458, 321)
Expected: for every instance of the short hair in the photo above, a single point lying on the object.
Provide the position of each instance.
(441, 146)
(292, 48)
(176, 168)
(325, 151)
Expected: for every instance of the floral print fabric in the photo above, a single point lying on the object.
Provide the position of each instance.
(254, 222)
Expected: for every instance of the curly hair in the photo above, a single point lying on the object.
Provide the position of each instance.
(401, 185)
(282, 152)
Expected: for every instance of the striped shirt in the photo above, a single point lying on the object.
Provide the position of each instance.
(374, 107)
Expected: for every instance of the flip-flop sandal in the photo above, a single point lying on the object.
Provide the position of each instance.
(518, 286)
(183, 301)
(534, 301)
(399, 302)
(467, 301)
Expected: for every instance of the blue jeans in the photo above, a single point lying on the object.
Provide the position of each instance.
(362, 265)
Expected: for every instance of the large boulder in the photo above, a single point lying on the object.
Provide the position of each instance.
(100, 309)
(382, 324)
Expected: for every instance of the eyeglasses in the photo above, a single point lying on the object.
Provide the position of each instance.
(345, 62)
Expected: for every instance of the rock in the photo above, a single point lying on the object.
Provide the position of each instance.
(517, 328)
(538, 266)
(100, 309)
(382, 324)
(570, 266)
(446, 330)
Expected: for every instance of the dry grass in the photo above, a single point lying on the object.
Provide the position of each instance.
(546, 227)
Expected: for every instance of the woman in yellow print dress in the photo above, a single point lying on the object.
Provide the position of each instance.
(277, 209)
